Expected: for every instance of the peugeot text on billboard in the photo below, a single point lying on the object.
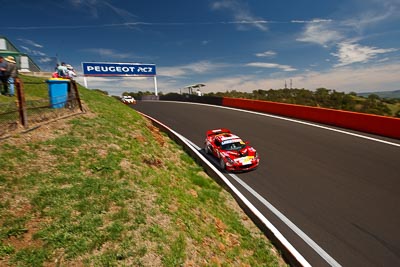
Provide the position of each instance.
(118, 69)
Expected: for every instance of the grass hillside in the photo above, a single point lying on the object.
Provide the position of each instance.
(106, 188)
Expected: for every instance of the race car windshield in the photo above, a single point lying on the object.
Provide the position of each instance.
(233, 146)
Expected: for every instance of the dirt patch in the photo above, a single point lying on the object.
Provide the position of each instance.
(156, 134)
(26, 240)
(43, 130)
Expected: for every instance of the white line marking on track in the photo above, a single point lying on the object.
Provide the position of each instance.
(286, 221)
(331, 261)
(266, 222)
(282, 217)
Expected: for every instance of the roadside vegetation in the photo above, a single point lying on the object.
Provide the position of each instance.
(107, 188)
(321, 97)
(324, 98)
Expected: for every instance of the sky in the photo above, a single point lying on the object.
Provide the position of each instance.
(242, 45)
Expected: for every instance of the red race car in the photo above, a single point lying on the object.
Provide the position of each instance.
(232, 152)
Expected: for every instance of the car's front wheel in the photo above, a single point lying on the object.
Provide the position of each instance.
(206, 149)
(222, 164)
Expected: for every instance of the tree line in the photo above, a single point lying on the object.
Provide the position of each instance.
(323, 97)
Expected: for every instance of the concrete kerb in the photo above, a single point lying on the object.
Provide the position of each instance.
(290, 254)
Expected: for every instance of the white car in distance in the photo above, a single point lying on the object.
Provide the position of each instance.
(127, 99)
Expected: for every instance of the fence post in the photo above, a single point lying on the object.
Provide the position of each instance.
(75, 88)
(21, 102)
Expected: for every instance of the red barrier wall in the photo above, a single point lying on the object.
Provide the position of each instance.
(380, 125)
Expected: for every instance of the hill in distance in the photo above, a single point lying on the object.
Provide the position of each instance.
(384, 94)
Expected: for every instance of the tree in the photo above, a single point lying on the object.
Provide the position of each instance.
(374, 105)
(322, 97)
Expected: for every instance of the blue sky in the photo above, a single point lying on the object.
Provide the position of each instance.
(345, 45)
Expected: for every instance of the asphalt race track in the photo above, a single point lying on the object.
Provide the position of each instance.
(341, 190)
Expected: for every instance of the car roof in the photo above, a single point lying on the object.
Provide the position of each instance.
(228, 138)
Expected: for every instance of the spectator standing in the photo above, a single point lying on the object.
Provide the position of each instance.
(55, 73)
(12, 73)
(70, 72)
(62, 70)
(3, 76)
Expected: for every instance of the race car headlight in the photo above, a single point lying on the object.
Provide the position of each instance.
(230, 160)
(256, 156)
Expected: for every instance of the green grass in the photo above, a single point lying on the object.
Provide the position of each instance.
(35, 89)
(108, 189)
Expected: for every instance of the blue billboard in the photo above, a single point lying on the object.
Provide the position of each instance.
(118, 69)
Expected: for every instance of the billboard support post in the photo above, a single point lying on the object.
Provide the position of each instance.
(155, 86)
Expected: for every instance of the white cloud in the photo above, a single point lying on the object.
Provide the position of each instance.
(311, 21)
(350, 53)
(101, 9)
(109, 54)
(120, 12)
(46, 59)
(31, 43)
(38, 53)
(322, 34)
(239, 83)
(189, 69)
(364, 14)
(178, 71)
(271, 66)
(118, 85)
(268, 53)
(371, 78)
(383, 59)
(241, 13)
(32, 51)
(376, 13)
(27, 49)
